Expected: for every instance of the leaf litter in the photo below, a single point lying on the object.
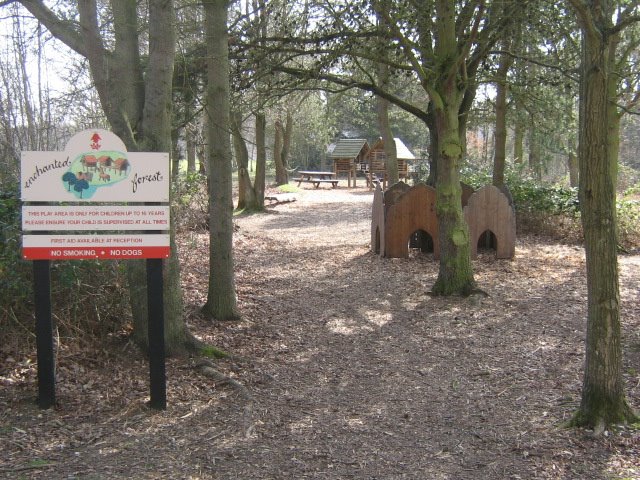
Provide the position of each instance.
(352, 370)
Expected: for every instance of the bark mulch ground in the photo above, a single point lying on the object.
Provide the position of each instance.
(344, 367)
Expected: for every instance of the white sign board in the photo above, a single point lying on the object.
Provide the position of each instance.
(94, 217)
(95, 168)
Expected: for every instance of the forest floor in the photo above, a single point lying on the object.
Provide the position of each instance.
(344, 367)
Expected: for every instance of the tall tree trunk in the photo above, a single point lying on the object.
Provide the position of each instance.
(518, 140)
(175, 156)
(282, 178)
(261, 158)
(572, 161)
(455, 274)
(286, 141)
(221, 296)
(191, 148)
(535, 162)
(382, 106)
(156, 128)
(603, 402)
(246, 193)
(500, 149)
(391, 162)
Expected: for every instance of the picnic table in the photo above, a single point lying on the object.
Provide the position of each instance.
(316, 178)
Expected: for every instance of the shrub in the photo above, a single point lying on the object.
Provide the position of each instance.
(15, 273)
(628, 223)
(191, 202)
(89, 298)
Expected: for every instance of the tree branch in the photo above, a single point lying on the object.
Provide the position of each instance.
(64, 30)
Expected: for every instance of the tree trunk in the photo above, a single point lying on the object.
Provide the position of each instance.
(603, 402)
(500, 149)
(221, 296)
(572, 161)
(246, 193)
(518, 141)
(535, 162)
(282, 178)
(137, 103)
(261, 158)
(191, 148)
(156, 127)
(286, 142)
(175, 156)
(455, 275)
(382, 111)
(391, 162)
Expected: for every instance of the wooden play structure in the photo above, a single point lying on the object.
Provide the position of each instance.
(347, 155)
(398, 214)
(377, 158)
(404, 217)
(489, 210)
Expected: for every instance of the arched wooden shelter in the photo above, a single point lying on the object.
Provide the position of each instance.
(404, 216)
(401, 213)
(489, 210)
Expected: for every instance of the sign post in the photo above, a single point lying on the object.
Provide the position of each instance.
(44, 334)
(102, 202)
(157, 375)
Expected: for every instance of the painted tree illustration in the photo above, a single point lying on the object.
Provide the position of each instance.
(70, 178)
(81, 185)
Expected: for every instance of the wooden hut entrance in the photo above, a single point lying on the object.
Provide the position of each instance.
(487, 242)
(420, 241)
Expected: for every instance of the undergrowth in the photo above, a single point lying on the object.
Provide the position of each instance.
(89, 299)
(554, 210)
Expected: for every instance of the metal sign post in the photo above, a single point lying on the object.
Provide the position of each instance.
(155, 301)
(44, 334)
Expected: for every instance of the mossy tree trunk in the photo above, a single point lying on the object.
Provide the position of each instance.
(221, 295)
(603, 401)
(455, 274)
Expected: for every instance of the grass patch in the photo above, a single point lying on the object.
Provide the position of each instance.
(288, 188)
(213, 352)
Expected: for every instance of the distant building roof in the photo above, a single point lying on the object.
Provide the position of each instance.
(348, 147)
(401, 149)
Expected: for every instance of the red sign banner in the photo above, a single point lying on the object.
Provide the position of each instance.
(69, 253)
